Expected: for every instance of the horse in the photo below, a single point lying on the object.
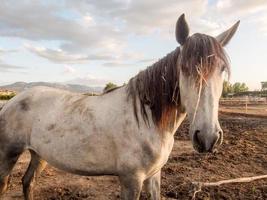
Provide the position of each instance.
(127, 132)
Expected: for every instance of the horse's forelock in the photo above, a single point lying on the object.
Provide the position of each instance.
(201, 54)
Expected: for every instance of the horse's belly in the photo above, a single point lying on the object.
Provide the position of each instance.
(91, 155)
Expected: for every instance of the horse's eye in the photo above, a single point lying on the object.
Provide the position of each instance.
(223, 68)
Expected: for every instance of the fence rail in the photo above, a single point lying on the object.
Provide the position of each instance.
(246, 104)
(247, 100)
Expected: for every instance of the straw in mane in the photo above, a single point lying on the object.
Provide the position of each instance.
(157, 87)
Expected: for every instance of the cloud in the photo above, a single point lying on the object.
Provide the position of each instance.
(241, 7)
(252, 12)
(69, 70)
(56, 56)
(120, 63)
(61, 56)
(89, 24)
(147, 60)
(99, 30)
(35, 20)
(138, 15)
(4, 67)
(262, 23)
(117, 64)
(83, 25)
(5, 51)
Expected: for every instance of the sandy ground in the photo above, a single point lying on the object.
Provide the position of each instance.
(243, 153)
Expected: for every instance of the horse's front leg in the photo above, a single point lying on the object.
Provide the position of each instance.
(131, 186)
(152, 186)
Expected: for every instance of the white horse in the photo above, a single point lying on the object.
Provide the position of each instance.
(127, 132)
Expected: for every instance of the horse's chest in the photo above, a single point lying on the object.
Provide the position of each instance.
(162, 157)
(166, 150)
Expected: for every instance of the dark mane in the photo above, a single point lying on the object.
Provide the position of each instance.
(158, 86)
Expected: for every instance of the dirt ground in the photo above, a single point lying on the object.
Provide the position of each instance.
(243, 153)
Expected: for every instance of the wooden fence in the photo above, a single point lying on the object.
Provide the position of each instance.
(245, 103)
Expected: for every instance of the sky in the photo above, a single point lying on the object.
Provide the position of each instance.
(92, 42)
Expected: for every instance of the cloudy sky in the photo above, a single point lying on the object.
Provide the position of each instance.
(95, 41)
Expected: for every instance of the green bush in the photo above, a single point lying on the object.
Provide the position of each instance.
(7, 96)
(109, 86)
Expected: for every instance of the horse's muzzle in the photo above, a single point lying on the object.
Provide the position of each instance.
(206, 144)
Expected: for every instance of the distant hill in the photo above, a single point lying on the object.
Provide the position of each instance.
(20, 86)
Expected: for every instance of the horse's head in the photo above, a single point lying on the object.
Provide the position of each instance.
(202, 64)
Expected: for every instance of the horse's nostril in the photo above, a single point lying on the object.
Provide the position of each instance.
(196, 137)
(197, 141)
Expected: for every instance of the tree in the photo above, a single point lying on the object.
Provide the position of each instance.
(227, 88)
(109, 86)
(239, 87)
(235, 88)
(264, 85)
(243, 87)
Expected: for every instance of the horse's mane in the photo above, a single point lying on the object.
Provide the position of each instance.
(158, 86)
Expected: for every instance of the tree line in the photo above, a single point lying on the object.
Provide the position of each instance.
(227, 87)
(237, 87)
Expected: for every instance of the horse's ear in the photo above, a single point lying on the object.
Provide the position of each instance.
(226, 36)
(182, 30)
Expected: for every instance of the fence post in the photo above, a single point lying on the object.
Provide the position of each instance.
(246, 104)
